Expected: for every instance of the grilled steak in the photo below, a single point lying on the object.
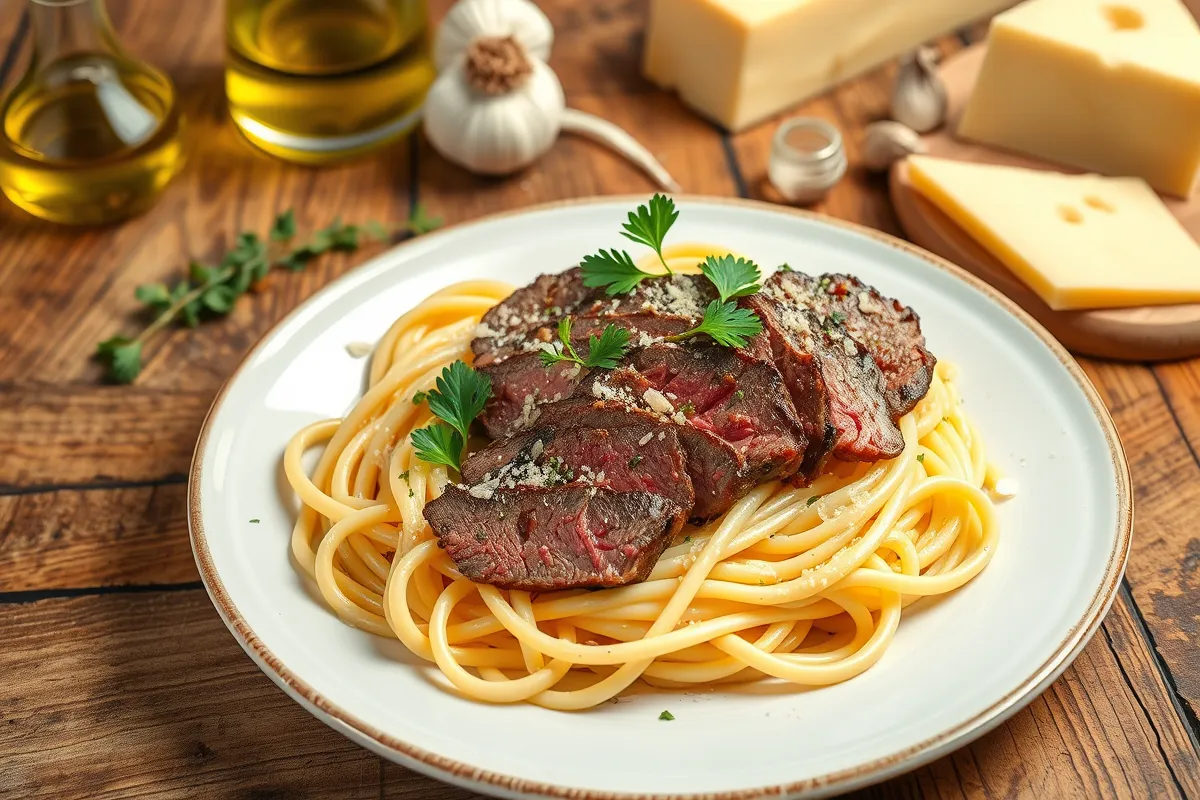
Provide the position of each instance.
(544, 539)
(655, 309)
(854, 386)
(530, 312)
(621, 452)
(890, 330)
(736, 422)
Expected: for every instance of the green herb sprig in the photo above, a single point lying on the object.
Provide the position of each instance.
(726, 324)
(212, 291)
(614, 270)
(732, 277)
(603, 352)
(459, 398)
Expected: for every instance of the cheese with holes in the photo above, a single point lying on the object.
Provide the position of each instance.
(739, 61)
(1111, 86)
(1079, 241)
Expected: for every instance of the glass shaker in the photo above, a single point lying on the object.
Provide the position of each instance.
(89, 134)
(315, 81)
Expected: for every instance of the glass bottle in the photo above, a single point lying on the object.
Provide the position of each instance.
(315, 81)
(89, 134)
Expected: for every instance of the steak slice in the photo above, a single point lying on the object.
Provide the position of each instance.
(854, 386)
(621, 452)
(655, 309)
(544, 539)
(732, 413)
(890, 330)
(529, 313)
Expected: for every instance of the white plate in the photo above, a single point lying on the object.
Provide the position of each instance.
(957, 668)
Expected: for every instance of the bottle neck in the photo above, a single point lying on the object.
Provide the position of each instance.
(63, 28)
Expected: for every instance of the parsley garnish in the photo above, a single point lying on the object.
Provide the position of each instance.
(688, 408)
(785, 268)
(403, 476)
(460, 396)
(210, 291)
(837, 317)
(419, 398)
(920, 458)
(255, 521)
(633, 462)
(667, 716)
(813, 499)
(732, 277)
(725, 324)
(614, 270)
(603, 352)
(649, 224)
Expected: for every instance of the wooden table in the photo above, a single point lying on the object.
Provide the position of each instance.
(117, 679)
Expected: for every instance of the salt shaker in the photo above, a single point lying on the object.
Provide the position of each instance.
(808, 158)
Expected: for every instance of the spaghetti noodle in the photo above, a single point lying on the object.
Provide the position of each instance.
(800, 584)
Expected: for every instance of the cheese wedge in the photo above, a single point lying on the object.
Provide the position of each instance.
(1079, 241)
(1111, 86)
(739, 61)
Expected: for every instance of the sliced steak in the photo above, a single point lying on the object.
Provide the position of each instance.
(529, 313)
(621, 452)
(854, 386)
(890, 330)
(566, 537)
(733, 415)
(655, 309)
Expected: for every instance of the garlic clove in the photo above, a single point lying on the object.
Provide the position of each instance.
(469, 20)
(886, 142)
(919, 97)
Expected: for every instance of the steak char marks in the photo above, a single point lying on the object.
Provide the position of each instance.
(521, 384)
(590, 475)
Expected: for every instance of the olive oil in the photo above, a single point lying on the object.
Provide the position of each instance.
(89, 135)
(317, 80)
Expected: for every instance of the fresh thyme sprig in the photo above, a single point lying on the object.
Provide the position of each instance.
(212, 291)
(726, 324)
(459, 398)
(603, 352)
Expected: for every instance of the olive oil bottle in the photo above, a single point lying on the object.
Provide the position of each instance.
(89, 134)
(319, 80)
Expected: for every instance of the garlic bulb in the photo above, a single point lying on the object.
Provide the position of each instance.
(919, 96)
(496, 109)
(470, 19)
(886, 142)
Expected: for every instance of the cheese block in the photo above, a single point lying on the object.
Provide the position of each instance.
(1111, 86)
(739, 61)
(1079, 241)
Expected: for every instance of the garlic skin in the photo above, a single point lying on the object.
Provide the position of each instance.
(919, 96)
(468, 20)
(886, 142)
(495, 110)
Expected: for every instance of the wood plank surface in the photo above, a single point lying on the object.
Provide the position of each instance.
(121, 680)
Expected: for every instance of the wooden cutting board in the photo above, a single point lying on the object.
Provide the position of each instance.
(1140, 334)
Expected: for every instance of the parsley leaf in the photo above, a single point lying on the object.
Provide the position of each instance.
(439, 444)
(420, 222)
(785, 267)
(284, 227)
(732, 277)
(666, 716)
(920, 458)
(649, 224)
(726, 324)
(837, 317)
(603, 352)
(420, 397)
(460, 395)
(614, 270)
(255, 521)
(813, 499)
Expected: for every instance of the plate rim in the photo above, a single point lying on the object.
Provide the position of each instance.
(908, 758)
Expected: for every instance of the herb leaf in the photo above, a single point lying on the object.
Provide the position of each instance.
(666, 716)
(439, 444)
(732, 277)
(649, 224)
(420, 222)
(603, 352)
(726, 324)
(284, 227)
(460, 395)
(614, 270)
(122, 356)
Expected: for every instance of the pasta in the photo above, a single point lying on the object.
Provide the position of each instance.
(805, 585)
